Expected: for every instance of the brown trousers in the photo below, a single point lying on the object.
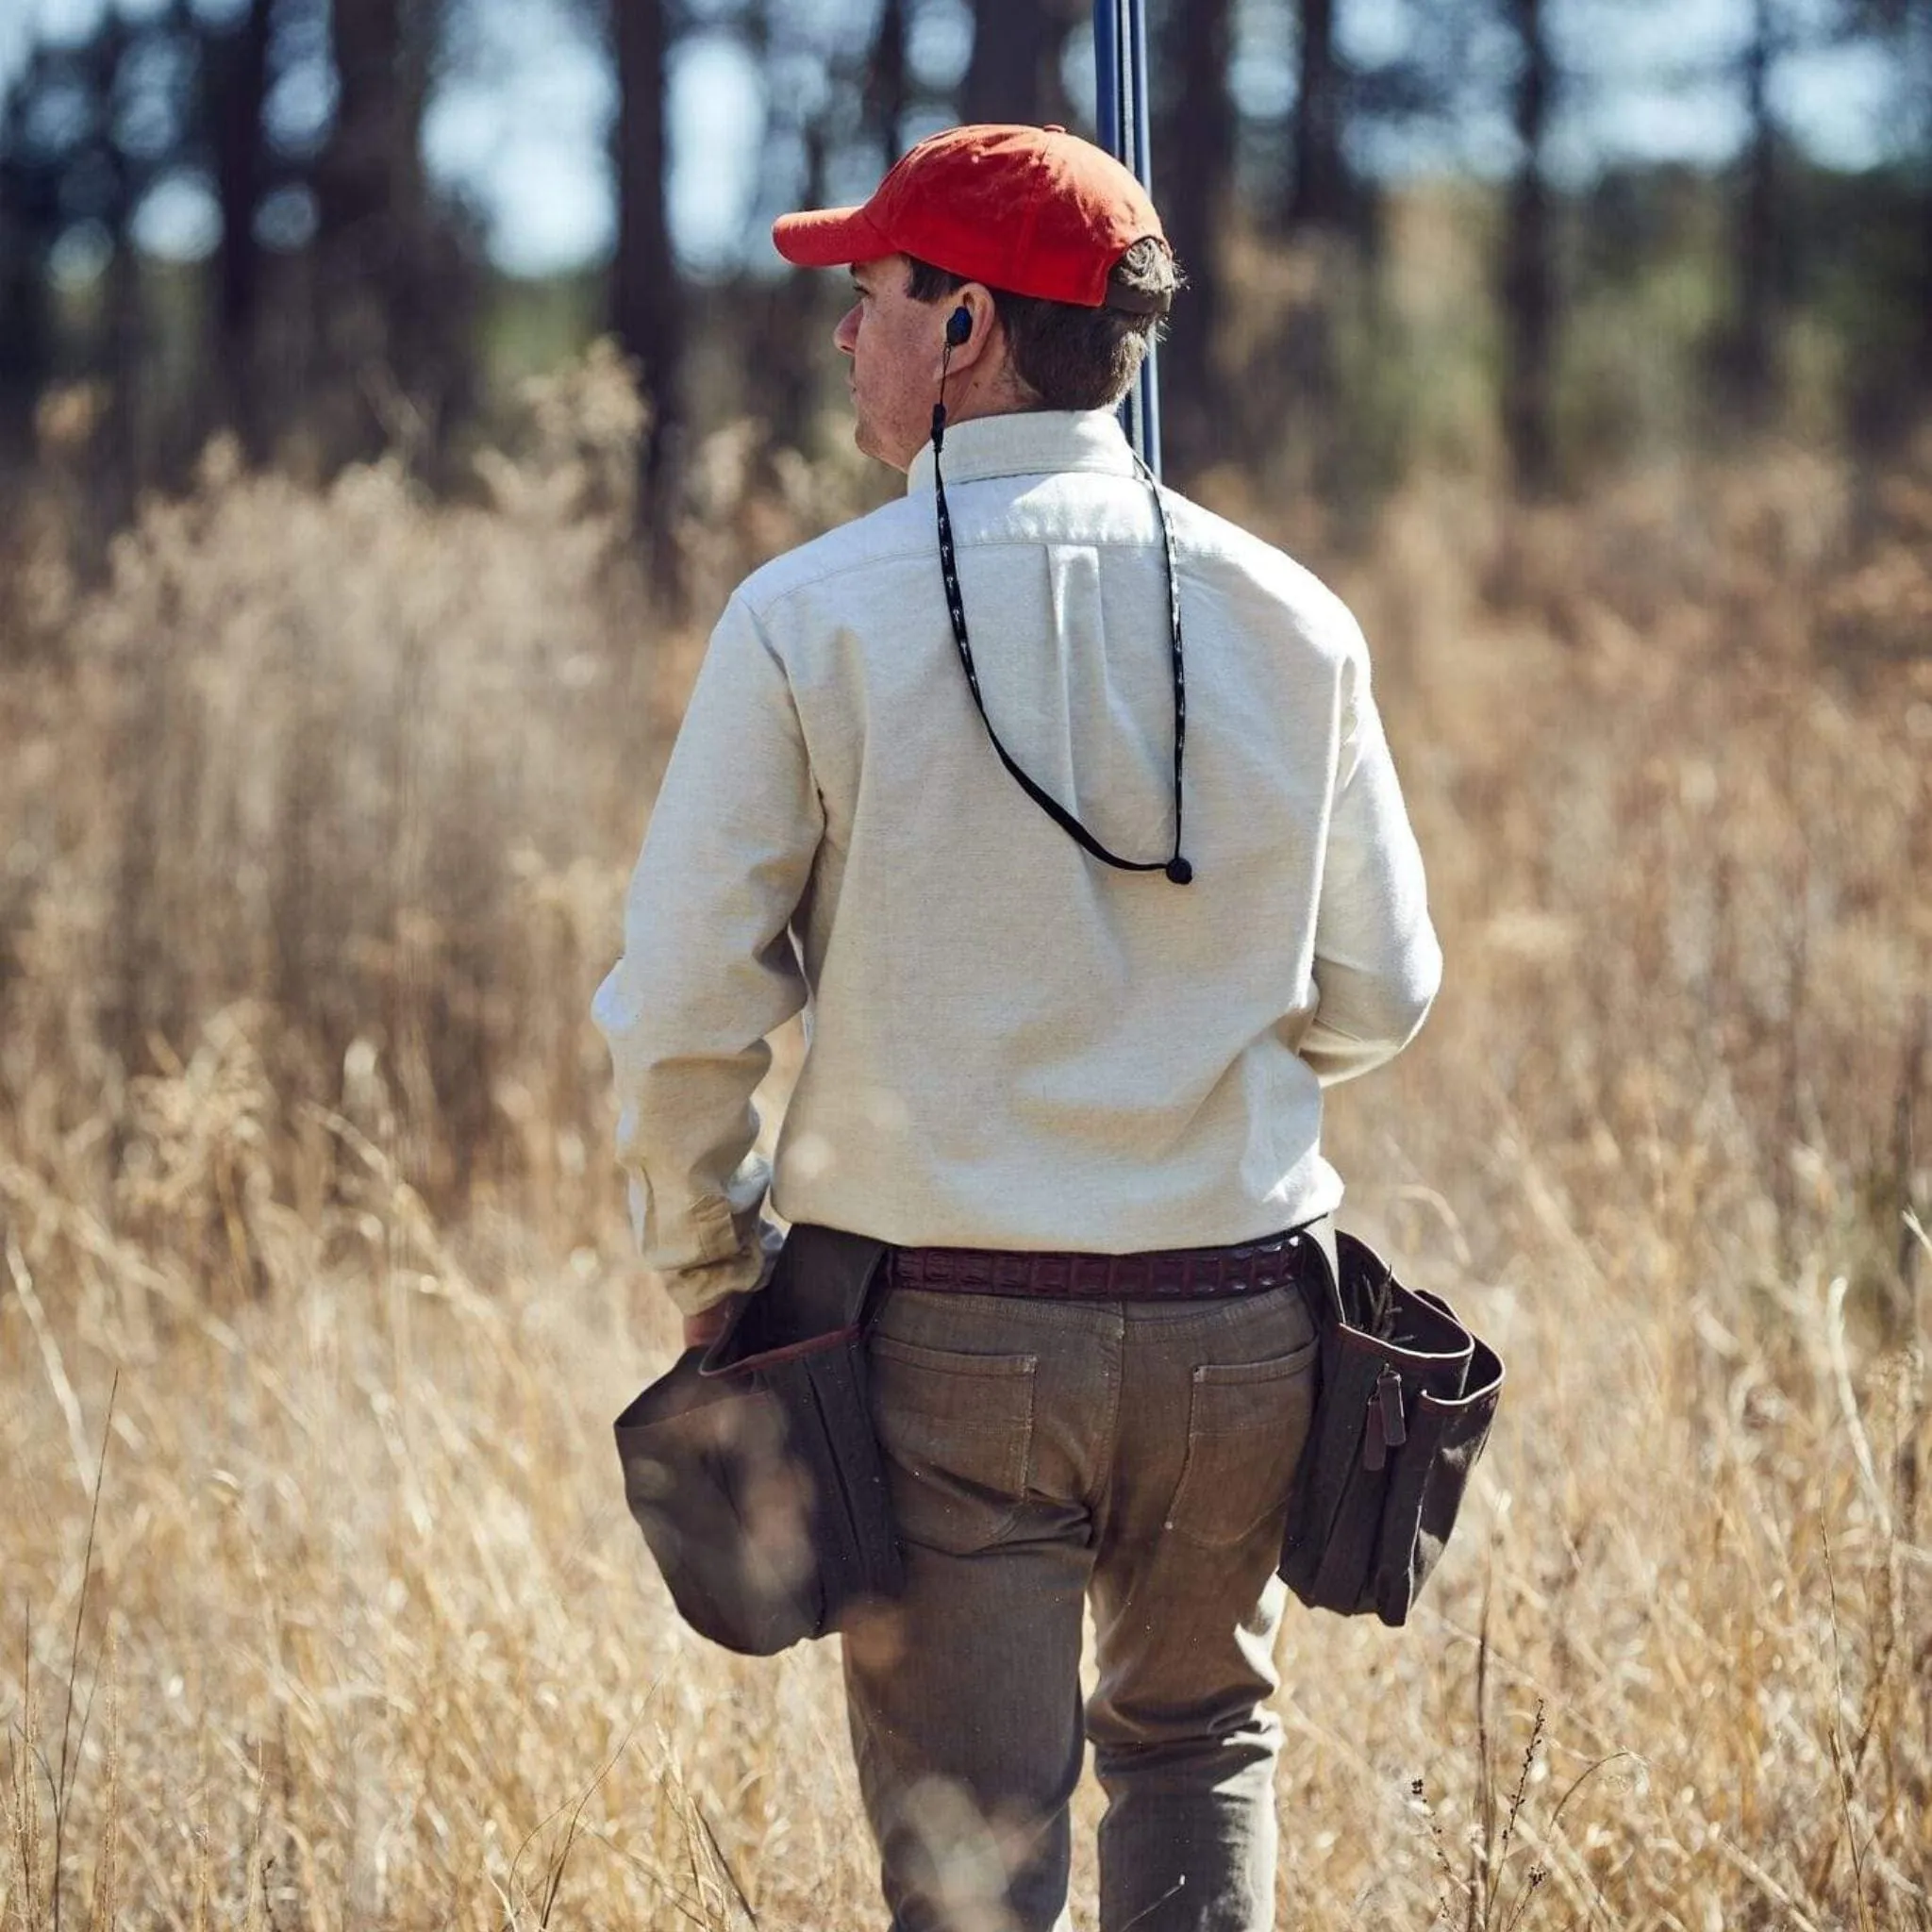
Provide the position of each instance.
(1043, 1454)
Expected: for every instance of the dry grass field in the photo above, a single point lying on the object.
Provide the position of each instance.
(319, 1604)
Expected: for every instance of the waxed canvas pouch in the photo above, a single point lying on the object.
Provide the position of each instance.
(1405, 1404)
(751, 1467)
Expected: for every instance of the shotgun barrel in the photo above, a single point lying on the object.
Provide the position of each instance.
(1120, 60)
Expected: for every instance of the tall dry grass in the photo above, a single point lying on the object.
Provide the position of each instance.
(316, 819)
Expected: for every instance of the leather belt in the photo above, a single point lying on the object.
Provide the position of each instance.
(1156, 1274)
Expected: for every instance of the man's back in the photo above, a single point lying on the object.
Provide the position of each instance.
(1012, 1045)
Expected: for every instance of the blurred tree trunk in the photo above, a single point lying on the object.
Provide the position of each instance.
(358, 206)
(1319, 197)
(238, 69)
(1924, 344)
(1918, 39)
(647, 304)
(1755, 325)
(121, 348)
(1530, 294)
(784, 347)
(127, 452)
(1902, 30)
(26, 223)
(1014, 73)
(1196, 156)
(888, 83)
(384, 324)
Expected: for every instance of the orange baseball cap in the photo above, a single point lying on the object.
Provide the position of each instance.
(1034, 210)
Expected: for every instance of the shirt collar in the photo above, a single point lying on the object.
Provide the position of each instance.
(1026, 444)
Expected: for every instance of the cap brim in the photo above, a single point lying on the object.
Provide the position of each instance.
(828, 238)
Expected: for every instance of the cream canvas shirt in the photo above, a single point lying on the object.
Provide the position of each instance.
(1010, 1044)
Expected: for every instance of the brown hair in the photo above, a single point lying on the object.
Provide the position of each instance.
(1068, 357)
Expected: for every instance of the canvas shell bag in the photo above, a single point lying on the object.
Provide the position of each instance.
(751, 1467)
(1406, 1400)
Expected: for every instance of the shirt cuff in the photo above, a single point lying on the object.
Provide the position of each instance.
(694, 1290)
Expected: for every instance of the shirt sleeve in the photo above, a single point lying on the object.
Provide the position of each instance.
(710, 968)
(1377, 963)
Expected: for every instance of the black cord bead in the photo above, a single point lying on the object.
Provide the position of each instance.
(1180, 871)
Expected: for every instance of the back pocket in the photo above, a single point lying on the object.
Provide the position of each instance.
(956, 1433)
(1247, 1425)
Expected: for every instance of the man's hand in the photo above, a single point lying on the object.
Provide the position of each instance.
(700, 1331)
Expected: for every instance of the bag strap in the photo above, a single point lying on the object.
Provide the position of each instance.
(1322, 1279)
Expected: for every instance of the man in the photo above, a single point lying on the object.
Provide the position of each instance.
(1063, 808)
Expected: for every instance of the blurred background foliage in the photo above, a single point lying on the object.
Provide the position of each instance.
(1443, 234)
(355, 549)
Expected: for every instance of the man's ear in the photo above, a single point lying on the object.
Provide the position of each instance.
(975, 298)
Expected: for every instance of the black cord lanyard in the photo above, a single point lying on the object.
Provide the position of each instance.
(1176, 868)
